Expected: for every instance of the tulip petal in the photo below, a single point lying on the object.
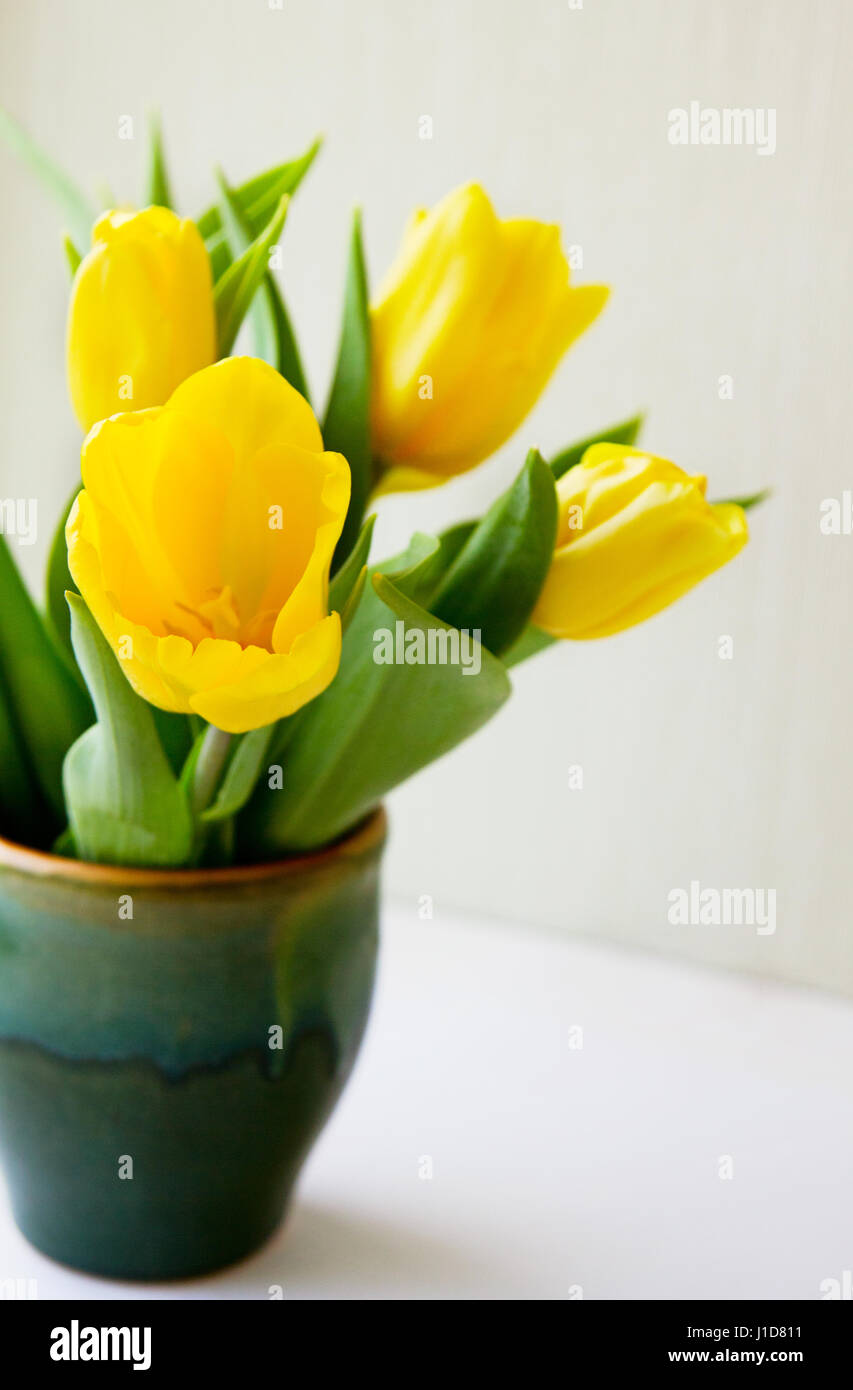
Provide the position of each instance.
(207, 568)
(286, 511)
(141, 313)
(607, 479)
(132, 642)
(276, 686)
(471, 321)
(401, 479)
(158, 487)
(309, 601)
(251, 404)
(648, 537)
(187, 668)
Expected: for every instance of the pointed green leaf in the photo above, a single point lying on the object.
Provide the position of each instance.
(76, 209)
(23, 814)
(236, 289)
(59, 581)
(350, 608)
(532, 641)
(376, 725)
(157, 190)
(241, 775)
(626, 433)
(125, 806)
(258, 197)
(234, 230)
(72, 255)
(454, 538)
(415, 570)
(346, 578)
(274, 340)
(188, 771)
(494, 582)
(346, 428)
(752, 499)
(287, 358)
(51, 708)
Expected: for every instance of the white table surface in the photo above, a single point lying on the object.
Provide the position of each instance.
(559, 1168)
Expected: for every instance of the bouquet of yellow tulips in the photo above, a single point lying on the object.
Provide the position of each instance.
(221, 673)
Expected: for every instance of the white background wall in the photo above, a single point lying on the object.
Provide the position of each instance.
(735, 773)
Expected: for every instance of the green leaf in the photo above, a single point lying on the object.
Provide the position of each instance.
(241, 775)
(157, 190)
(350, 608)
(186, 776)
(51, 708)
(497, 576)
(274, 339)
(258, 197)
(59, 581)
(125, 806)
(345, 580)
(176, 736)
(346, 428)
(72, 255)
(375, 726)
(418, 569)
(238, 240)
(532, 641)
(287, 358)
(752, 499)
(454, 538)
(64, 844)
(626, 433)
(76, 209)
(23, 814)
(236, 289)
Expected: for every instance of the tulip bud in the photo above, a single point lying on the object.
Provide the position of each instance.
(634, 534)
(471, 321)
(141, 317)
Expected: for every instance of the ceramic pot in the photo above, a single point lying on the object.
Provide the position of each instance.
(171, 1044)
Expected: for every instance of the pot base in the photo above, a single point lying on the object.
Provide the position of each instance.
(118, 1171)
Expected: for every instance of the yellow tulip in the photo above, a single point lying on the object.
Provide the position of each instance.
(470, 322)
(141, 318)
(634, 534)
(202, 541)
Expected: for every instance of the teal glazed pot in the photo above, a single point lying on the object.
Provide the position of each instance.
(171, 1044)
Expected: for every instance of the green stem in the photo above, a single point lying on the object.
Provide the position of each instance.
(209, 767)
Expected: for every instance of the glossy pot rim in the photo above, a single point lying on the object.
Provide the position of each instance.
(35, 863)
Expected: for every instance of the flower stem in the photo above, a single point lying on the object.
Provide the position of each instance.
(209, 767)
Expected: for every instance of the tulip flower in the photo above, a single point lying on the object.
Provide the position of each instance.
(471, 321)
(634, 534)
(141, 318)
(202, 542)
